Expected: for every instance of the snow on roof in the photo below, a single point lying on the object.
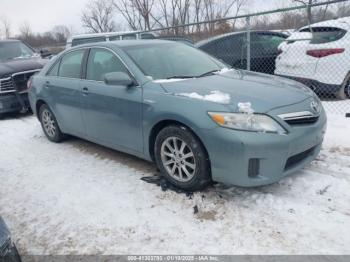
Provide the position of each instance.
(343, 23)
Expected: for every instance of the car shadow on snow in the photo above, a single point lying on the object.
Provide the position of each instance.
(150, 173)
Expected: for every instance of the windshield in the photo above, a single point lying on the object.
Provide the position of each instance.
(14, 50)
(171, 60)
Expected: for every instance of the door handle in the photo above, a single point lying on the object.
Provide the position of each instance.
(85, 91)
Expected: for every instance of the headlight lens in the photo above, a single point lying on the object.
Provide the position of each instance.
(247, 122)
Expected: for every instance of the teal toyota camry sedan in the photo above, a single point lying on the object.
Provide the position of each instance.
(170, 103)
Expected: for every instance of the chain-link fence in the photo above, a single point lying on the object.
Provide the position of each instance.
(309, 44)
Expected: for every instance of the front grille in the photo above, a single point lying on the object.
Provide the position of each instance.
(296, 159)
(300, 118)
(16, 82)
(20, 80)
(303, 121)
(6, 85)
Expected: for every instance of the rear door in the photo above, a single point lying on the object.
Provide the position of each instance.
(63, 85)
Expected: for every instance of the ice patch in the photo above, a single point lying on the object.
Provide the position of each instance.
(225, 70)
(214, 96)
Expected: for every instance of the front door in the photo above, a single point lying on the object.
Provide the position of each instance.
(112, 114)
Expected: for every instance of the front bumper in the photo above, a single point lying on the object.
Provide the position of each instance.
(11, 103)
(317, 86)
(251, 159)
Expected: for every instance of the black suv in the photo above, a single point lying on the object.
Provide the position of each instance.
(18, 62)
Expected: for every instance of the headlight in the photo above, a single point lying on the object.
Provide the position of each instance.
(247, 122)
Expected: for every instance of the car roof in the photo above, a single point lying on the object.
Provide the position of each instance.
(206, 41)
(343, 23)
(126, 43)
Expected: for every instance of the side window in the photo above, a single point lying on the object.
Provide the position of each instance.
(101, 62)
(266, 43)
(71, 64)
(322, 35)
(114, 38)
(129, 37)
(54, 70)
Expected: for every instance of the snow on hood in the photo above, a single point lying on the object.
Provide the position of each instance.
(169, 80)
(214, 96)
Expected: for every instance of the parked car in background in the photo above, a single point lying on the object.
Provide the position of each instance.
(319, 56)
(8, 250)
(173, 104)
(106, 37)
(182, 39)
(116, 36)
(232, 49)
(18, 62)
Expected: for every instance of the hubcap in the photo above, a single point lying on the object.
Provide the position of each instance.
(48, 123)
(178, 159)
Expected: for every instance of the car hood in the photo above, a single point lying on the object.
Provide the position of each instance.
(264, 92)
(10, 67)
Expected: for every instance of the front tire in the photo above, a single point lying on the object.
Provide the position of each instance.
(49, 124)
(182, 159)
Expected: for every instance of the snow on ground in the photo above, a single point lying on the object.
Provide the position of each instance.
(80, 198)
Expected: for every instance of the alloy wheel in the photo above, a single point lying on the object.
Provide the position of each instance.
(48, 123)
(178, 159)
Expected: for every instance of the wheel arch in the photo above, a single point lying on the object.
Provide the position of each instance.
(168, 122)
(38, 104)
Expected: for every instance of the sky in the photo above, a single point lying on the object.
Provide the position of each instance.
(43, 15)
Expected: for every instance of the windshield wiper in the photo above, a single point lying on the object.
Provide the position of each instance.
(180, 77)
(212, 72)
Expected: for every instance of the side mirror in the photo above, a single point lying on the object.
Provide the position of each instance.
(44, 53)
(118, 79)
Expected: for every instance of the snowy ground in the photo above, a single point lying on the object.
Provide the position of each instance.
(80, 198)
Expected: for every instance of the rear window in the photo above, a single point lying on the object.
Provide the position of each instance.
(321, 35)
(81, 41)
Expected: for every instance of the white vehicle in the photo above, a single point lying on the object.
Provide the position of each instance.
(319, 56)
(104, 37)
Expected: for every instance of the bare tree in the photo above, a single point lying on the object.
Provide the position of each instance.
(137, 13)
(25, 31)
(61, 33)
(98, 16)
(145, 14)
(6, 25)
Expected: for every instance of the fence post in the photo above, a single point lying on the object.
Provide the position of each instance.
(248, 42)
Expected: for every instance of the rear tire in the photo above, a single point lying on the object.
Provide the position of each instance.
(182, 159)
(49, 124)
(344, 92)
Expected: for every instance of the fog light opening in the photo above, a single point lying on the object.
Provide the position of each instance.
(254, 167)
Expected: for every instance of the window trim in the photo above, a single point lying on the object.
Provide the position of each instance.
(59, 60)
(84, 75)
